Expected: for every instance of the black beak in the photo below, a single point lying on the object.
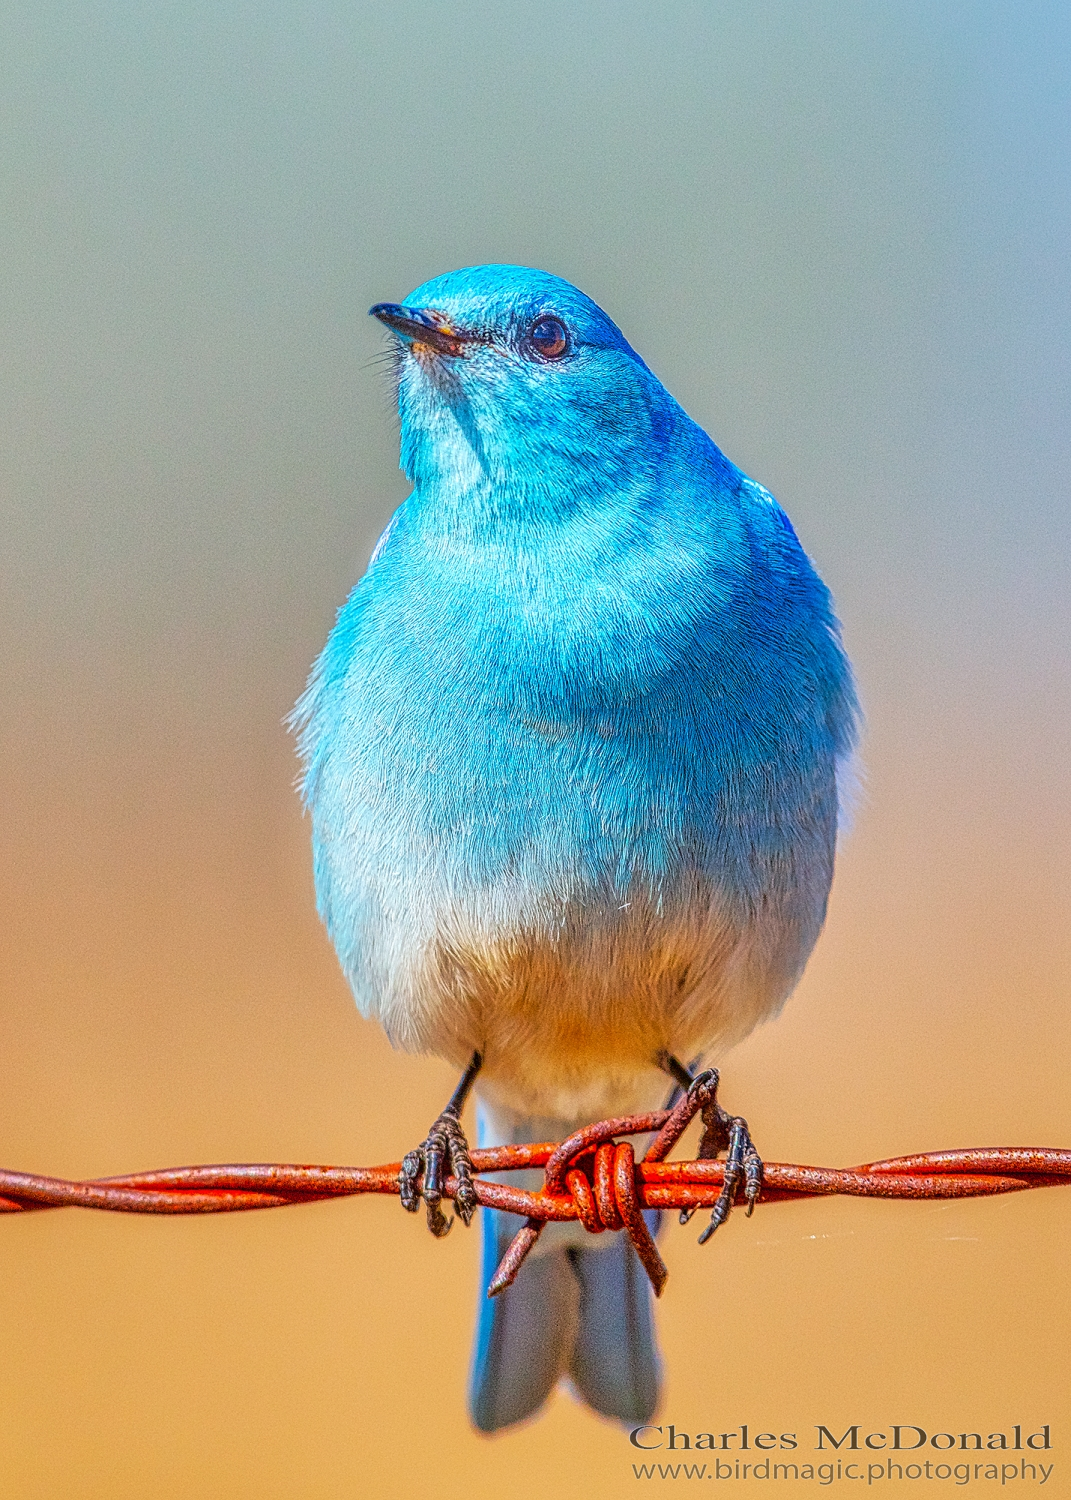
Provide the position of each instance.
(420, 326)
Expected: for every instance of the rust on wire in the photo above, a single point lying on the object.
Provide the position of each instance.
(592, 1177)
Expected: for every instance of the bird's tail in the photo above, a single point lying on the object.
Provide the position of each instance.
(580, 1310)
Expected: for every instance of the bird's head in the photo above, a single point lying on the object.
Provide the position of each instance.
(511, 379)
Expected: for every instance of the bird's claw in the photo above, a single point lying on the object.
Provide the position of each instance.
(445, 1152)
(729, 1133)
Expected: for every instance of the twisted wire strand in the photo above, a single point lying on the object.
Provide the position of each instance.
(592, 1177)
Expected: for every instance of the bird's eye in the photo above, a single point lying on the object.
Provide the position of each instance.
(548, 338)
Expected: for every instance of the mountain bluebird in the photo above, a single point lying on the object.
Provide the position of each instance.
(572, 755)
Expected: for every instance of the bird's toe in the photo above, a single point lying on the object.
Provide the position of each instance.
(443, 1153)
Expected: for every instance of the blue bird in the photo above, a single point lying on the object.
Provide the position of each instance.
(572, 755)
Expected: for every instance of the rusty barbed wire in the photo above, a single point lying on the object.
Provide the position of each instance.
(592, 1177)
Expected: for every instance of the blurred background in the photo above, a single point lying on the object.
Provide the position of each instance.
(839, 233)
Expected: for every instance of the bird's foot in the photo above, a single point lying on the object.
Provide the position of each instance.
(445, 1152)
(729, 1133)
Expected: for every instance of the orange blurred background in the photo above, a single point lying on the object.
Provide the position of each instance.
(839, 236)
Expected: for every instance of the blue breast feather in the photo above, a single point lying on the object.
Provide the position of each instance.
(562, 702)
